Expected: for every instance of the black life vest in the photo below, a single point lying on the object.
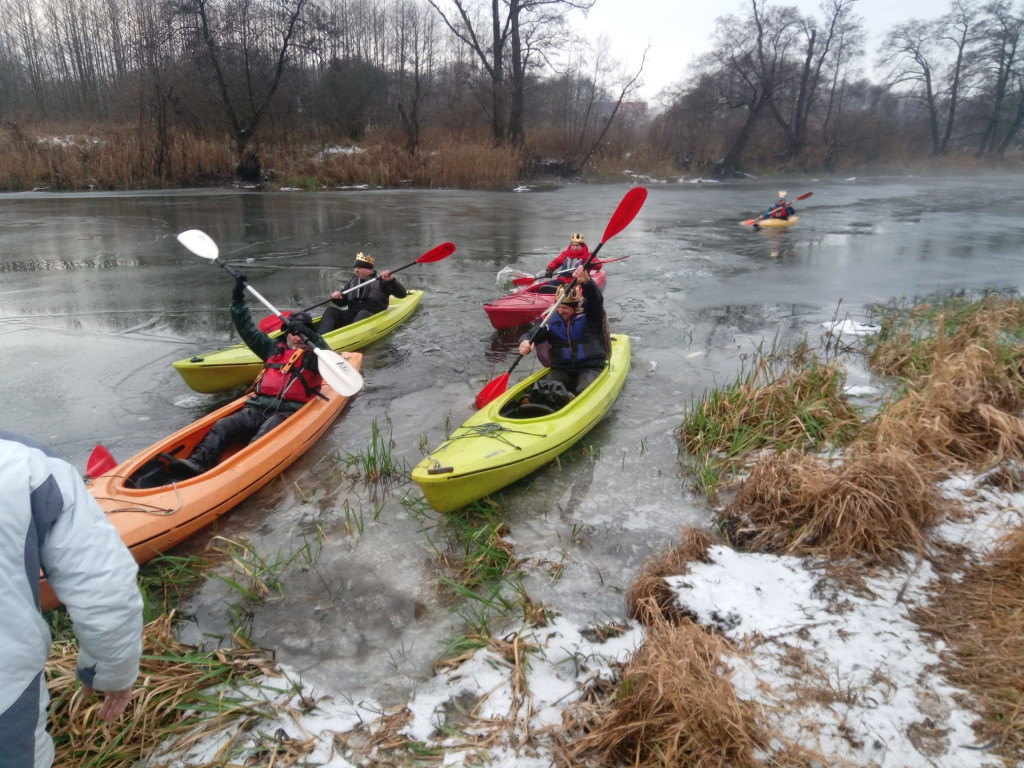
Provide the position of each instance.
(284, 376)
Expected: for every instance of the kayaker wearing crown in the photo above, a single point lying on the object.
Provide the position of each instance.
(576, 335)
(367, 301)
(577, 253)
(290, 377)
(782, 209)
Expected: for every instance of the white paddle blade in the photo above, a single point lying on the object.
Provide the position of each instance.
(200, 243)
(338, 373)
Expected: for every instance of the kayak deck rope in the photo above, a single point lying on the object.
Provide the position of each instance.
(490, 429)
(147, 509)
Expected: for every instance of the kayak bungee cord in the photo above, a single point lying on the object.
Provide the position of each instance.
(490, 429)
(155, 511)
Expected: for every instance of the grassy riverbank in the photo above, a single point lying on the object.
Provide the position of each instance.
(56, 156)
(945, 449)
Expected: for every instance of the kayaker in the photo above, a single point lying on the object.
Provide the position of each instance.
(782, 209)
(576, 335)
(576, 254)
(49, 519)
(290, 377)
(367, 301)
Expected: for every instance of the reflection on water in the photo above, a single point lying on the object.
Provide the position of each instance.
(98, 299)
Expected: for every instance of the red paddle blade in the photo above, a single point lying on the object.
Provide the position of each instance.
(100, 462)
(524, 280)
(493, 389)
(272, 323)
(625, 213)
(803, 197)
(442, 251)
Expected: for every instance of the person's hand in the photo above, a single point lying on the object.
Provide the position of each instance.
(294, 330)
(580, 275)
(336, 295)
(386, 276)
(525, 347)
(549, 272)
(238, 294)
(114, 702)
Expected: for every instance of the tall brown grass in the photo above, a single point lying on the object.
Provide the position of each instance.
(649, 599)
(870, 507)
(674, 708)
(981, 619)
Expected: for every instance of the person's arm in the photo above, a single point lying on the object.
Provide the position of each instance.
(94, 575)
(339, 299)
(262, 345)
(554, 264)
(593, 306)
(391, 285)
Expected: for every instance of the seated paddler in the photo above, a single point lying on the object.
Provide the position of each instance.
(351, 306)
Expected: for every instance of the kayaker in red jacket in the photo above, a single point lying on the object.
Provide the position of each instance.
(367, 301)
(290, 378)
(782, 209)
(576, 254)
(576, 336)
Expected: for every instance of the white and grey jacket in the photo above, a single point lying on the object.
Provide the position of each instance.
(49, 520)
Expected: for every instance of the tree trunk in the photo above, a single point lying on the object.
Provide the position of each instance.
(731, 162)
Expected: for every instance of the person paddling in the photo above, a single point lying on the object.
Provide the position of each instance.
(782, 209)
(576, 254)
(367, 301)
(289, 379)
(576, 335)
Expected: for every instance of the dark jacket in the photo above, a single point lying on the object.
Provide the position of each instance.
(373, 297)
(264, 347)
(579, 343)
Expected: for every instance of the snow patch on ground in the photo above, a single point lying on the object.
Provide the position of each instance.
(850, 327)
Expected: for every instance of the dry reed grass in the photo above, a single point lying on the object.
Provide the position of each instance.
(911, 339)
(964, 414)
(675, 707)
(869, 508)
(649, 599)
(981, 618)
(169, 702)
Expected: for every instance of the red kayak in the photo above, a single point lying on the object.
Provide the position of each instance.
(528, 304)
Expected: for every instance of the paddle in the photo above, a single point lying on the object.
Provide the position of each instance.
(335, 370)
(100, 462)
(628, 208)
(751, 222)
(530, 279)
(271, 323)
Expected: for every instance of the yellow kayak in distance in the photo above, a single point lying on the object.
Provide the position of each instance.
(494, 448)
(776, 223)
(237, 366)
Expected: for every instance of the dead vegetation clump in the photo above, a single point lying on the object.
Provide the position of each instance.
(870, 508)
(674, 707)
(169, 702)
(649, 599)
(981, 618)
(965, 414)
(911, 340)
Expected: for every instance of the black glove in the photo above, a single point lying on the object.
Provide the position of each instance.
(238, 294)
(296, 329)
(549, 272)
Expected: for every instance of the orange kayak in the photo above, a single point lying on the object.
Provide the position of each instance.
(154, 519)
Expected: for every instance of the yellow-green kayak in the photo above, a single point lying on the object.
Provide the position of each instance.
(492, 450)
(236, 366)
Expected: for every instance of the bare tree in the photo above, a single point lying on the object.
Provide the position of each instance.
(249, 43)
(910, 52)
(999, 59)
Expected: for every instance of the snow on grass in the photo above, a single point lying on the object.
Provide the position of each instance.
(850, 327)
(844, 672)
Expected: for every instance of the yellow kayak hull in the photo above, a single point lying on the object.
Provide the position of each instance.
(770, 223)
(237, 366)
(490, 451)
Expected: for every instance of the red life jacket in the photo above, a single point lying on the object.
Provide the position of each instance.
(567, 260)
(284, 376)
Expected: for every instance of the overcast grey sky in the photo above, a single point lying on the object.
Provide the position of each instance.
(680, 29)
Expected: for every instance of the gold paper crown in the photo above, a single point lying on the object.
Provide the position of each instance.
(782, 194)
(574, 297)
(365, 258)
(577, 237)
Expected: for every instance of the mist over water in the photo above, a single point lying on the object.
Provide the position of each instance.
(98, 299)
